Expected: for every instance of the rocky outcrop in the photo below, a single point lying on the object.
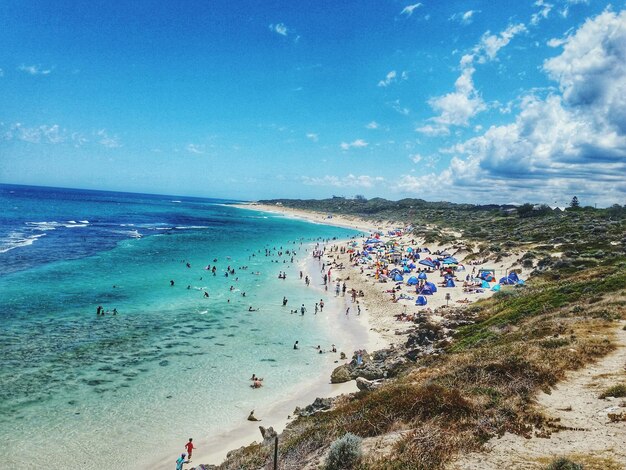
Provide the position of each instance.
(320, 404)
(340, 375)
(367, 385)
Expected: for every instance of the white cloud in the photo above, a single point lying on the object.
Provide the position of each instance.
(51, 134)
(34, 70)
(372, 125)
(459, 106)
(408, 10)
(195, 148)
(389, 78)
(464, 18)
(570, 142)
(361, 181)
(416, 158)
(542, 14)
(312, 136)
(490, 44)
(106, 140)
(358, 143)
(396, 106)
(279, 28)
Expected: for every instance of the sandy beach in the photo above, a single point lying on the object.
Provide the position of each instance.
(375, 328)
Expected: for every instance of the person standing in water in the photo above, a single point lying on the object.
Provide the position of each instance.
(302, 310)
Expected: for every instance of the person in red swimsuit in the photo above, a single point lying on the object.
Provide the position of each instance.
(190, 447)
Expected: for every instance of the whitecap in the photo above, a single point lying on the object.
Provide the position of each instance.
(18, 240)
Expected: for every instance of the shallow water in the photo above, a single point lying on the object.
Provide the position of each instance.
(111, 391)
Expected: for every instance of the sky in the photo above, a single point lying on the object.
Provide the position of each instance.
(460, 100)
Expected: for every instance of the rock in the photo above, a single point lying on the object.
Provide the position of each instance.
(340, 375)
(367, 385)
(368, 371)
(320, 404)
(268, 433)
(413, 354)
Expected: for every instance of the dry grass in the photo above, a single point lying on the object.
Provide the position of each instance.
(486, 385)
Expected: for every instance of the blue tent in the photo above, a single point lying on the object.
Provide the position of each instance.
(411, 265)
(513, 276)
(450, 260)
(422, 276)
(496, 288)
(432, 286)
(505, 281)
(373, 240)
(428, 263)
(406, 269)
(412, 281)
(394, 271)
(398, 278)
(421, 300)
(450, 282)
(425, 290)
(485, 285)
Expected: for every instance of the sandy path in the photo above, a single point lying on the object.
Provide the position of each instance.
(601, 438)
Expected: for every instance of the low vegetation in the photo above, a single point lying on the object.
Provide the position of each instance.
(485, 384)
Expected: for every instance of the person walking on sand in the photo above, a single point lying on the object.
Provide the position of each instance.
(190, 447)
(180, 461)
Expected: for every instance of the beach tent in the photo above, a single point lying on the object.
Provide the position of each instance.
(422, 276)
(460, 267)
(487, 274)
(450, 260)
(485, 285)
(513, 276)
(424, 290)
(496, 288)
(412, 281)
(398, 278)
(421, 300)
(430, 285)
(406, 269)
(428, 263)
(411, 265)
(450, 282)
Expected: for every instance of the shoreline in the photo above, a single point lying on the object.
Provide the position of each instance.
(377, 322)
(280, 412)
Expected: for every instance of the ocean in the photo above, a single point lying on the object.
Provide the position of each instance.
(79, 389)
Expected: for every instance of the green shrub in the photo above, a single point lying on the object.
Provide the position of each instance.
(564, 464)
(617, 391)
(344, 453)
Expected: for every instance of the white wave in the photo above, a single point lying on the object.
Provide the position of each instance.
(84, 221)
(44, 226)
(188, 227)
(177, 202)
(18, 240)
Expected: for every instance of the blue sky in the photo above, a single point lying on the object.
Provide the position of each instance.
(473, 101)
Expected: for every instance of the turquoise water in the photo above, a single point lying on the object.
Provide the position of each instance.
(116, 391)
